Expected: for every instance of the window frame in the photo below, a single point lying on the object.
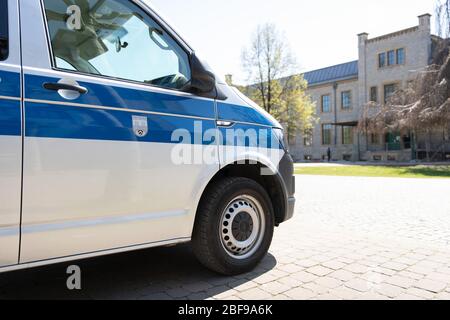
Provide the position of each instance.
(6, 25)
(350, 100)
(344, 142)
(308, 138)
(330, 133)
(394, 84)
(152, 15)
(373, 91)
(397, 56)
(394, 57)
(374, 139)
(322, 103)
(382, 65)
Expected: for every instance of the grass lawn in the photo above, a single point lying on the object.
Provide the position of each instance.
(378, 171)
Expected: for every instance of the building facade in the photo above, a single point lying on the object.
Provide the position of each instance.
(385, 64)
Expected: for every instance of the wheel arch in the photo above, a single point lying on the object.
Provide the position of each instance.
(272, 183)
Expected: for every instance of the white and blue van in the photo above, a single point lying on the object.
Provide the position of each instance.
(115, 136)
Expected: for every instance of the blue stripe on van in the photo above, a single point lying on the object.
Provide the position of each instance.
(238, 113)
(9, 84)
(118, 97)
(10, 118)
(253, 136)
(70, 122)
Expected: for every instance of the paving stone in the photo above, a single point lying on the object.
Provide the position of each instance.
(275, 288)
(344, 293)
(264, 279)
(314, 287)
(319, 271)
(242, 285)
(300, 294)
(307, 263)
(198, 286)
(394, 266)
(389, 290)
(291, 268)
(254, 294)
(334, 265)
(304, 276)
(356, 268)
(358, 285)
(328, 282)
(443, 296)
(399, 281)
(342, 275)
(430, 285)
(178, 293)
(420, 293)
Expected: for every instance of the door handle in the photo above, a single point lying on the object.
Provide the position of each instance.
(63, 86)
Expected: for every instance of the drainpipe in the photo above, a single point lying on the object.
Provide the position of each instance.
(335, 86)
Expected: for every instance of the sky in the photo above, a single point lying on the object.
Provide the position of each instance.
(320, 33)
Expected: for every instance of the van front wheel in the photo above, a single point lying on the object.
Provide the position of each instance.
(234, 226)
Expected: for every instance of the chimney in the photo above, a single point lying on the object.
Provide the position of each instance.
(363, 38)
(362, 65)
(425, 22)
(229, 79)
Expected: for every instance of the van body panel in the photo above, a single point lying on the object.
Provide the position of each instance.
(90, 183)
(10, 144)
(122, 166)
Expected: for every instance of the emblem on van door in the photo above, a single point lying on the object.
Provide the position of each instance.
(140, 126)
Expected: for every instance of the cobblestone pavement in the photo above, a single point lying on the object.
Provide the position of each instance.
(351, 238)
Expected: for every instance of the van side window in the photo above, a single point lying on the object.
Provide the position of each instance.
(3, 30)
(114, 38)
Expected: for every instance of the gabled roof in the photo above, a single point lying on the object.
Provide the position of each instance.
(343, 71)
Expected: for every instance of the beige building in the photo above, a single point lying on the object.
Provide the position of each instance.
(385, 63)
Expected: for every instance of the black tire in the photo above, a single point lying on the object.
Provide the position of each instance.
(207, 240)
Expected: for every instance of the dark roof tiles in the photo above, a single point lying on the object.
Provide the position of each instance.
(334, 73)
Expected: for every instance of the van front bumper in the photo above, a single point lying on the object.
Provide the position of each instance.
(286, 170)
(290, 208)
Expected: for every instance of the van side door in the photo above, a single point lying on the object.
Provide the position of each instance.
(10, 133)
(103, 99)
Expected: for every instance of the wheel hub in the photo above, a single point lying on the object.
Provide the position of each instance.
(242, 226)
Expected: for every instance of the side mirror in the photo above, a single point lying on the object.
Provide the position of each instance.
(203, 81)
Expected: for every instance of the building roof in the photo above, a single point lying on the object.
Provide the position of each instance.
(343, 71)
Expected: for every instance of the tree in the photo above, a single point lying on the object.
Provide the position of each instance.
(296, 110)
(270, 67)
(443, 18)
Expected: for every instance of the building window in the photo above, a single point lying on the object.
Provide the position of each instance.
(347, 135)
(326, 106)
(389, 91)
(346, 98)
(382, 60)
(326, 134)
(308, 138)
(374, 139)
(3, 30)
(400, 56)
(374, 94)
(347, 157)
(391, 57)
